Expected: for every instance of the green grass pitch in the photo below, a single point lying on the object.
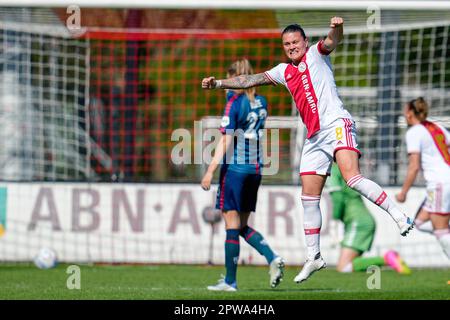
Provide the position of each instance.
(166, 282)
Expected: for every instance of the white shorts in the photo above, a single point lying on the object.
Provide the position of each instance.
(438, 199)
(318, 151)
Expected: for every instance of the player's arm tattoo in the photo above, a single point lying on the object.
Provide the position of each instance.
(333, 39)
(326, 45)
(246, 81)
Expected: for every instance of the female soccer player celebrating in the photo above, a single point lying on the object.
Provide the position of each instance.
(331, 130)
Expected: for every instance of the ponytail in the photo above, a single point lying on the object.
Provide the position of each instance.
(419, 107)
(243, 67)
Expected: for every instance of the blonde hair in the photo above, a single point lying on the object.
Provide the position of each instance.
(242, 67)
(419, 107)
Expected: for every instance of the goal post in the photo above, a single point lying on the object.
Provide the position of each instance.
(44, 96)
(239, 4)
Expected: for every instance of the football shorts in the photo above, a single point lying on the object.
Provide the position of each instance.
(237, 191)
(318, 151)
(438, 199)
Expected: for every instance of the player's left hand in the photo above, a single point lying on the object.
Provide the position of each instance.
(206, 181)
(401, 197)
(336, 22)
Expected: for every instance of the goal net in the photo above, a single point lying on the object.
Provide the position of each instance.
(103, 107)
(44, 98)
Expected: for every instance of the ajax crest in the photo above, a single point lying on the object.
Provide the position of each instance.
(302, 67)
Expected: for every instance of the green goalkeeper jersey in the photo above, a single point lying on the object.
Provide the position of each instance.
(344, 197)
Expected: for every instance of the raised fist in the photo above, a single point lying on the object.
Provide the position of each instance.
(209, 83)
(336, 22)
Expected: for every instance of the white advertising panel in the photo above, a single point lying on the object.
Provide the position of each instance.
(162, 223)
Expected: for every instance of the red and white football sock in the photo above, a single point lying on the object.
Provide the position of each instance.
(312, 222)
(443, 236)
(376, 194)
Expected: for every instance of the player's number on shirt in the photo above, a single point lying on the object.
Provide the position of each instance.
(255, 121)
(339, 133)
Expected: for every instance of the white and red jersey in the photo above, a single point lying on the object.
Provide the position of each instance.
(432, 142)
(313, 88)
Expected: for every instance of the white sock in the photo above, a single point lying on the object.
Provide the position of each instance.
(312, 222)
(375, 193)
(348, 268)
(443, 236)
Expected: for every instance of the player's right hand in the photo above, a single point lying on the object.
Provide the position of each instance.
(206, 181)
(401, 197)
(209, 83)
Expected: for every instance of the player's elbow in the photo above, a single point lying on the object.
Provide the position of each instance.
(414, 165)
(413, 169)
(329, 44)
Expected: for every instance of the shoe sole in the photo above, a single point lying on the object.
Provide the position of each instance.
(278, 279)
(405, 233)
(224, 290)
(322, 267)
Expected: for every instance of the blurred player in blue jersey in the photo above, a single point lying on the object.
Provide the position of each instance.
(240, 176)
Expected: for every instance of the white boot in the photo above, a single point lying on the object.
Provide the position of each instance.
(276, 271)
(405, 226)
(309, 268)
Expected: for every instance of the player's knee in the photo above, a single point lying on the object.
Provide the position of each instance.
(348, 168)
(348, 173)
(352, 180)
(244, 230)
